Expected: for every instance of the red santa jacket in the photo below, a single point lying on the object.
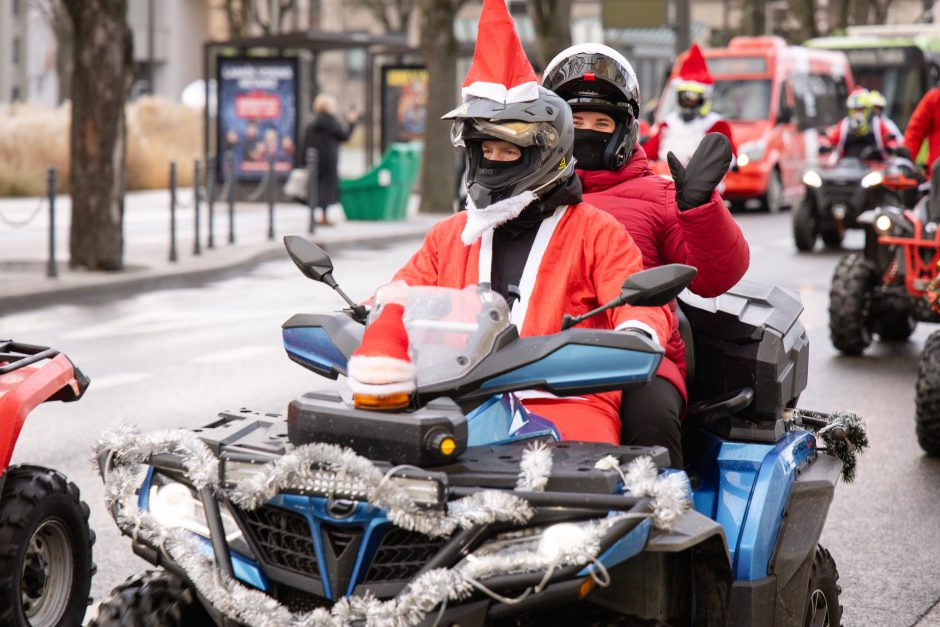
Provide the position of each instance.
(682, 138)
(578, 261)
(925, 124)
(706, 237)
(838, 134)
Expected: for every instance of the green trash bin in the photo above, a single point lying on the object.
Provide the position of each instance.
(382, 193)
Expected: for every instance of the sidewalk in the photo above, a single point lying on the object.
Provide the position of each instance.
(24, 250)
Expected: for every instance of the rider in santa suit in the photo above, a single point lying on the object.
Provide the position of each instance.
(683, 129)
(526, 231)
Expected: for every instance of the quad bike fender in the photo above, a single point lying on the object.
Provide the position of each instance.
(778, 599)
(23, 389)
(693, 528)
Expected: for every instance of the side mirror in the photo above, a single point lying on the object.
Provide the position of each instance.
(312, 260)
(785, 115)
(650, 288)
(657, 286)
(317, 265)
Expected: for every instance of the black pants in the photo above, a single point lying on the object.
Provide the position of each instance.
(651, 416)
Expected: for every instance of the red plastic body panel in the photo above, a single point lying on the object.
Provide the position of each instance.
(918, 272)
(22, 390)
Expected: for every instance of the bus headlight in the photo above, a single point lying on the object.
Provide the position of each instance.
(812, 178)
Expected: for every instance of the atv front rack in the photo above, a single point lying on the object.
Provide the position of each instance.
(919, 274)
(16, 355)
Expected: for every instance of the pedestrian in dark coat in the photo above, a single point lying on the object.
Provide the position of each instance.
(326, 133)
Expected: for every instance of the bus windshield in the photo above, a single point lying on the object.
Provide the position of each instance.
(733, 99)
(902, 87)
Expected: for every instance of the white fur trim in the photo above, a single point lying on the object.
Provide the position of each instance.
(524, 92)
(642, 326)
(481, 220)
(530, 271)
(378, 369)
(485, 266)
(380, 389)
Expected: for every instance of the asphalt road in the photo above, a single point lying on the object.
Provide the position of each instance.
(175, 357)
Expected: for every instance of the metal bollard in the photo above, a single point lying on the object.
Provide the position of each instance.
(313, 159)
(52, 271)
(197, 183)
(173, 255)
(272, 196)
(230, 182)
(211, 178)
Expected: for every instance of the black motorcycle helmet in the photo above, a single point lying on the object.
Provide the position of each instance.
(541, 128)
(595, 77)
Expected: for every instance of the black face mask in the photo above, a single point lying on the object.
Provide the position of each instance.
(589, 147)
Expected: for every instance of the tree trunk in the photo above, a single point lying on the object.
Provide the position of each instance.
(440, 52)
(103, 73)
(551, 20)
(805, 11)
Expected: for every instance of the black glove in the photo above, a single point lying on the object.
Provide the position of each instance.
(696, 181)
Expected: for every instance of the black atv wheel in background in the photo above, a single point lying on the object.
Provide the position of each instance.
(45, 550)
(849, 304)
(154, 598)
(833, 234)
(804, 225)
(822, 599)
(772, 200)
(927, 401)
(895, 326)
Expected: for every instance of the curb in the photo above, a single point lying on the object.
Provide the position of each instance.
(104, 285)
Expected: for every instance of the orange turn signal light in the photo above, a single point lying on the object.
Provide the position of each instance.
(397, 400)
(586, 586)
(448, 446)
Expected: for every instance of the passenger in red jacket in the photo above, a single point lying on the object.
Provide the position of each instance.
(672, 222)
(925, 124)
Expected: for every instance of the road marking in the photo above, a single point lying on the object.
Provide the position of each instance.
(165, 320)
(236, 354)
(115, 380)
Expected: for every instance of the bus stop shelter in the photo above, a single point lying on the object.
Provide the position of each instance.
(313, 41)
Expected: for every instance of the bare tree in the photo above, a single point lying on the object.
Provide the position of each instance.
(101, 80)
(439, 44)
(267, 15)
(395, 15)
(551, 20)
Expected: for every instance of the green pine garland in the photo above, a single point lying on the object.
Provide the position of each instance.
(844, 437)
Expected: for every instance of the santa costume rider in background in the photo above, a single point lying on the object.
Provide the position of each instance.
(684, 128)
(860, 132)
(526, 231)
(682, 220)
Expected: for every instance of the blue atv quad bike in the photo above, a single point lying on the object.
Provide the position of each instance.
(463, 509)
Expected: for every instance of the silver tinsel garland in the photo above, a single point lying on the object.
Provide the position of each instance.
(669, 493)
(125, 449)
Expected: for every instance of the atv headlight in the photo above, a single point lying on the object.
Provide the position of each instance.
(175, 504)
(872, 179)
(883, 223)
(812, 178)
(425, 492)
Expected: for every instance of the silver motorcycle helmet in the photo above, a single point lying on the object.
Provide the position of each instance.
(541, 128)
(595, 77)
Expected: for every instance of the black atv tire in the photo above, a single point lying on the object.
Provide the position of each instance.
(772, 200)
(927, 400)
(822, 598)
(895, 326)
(833, 236)
(45, 550)
(849, 325)
(804, 226)
(154, 598)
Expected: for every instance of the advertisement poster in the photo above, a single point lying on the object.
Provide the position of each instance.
(258, 114)
(404, 103)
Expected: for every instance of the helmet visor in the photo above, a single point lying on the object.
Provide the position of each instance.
(523, 134)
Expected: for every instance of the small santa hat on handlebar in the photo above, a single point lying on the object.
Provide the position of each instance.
(500, 70)
(382, 365)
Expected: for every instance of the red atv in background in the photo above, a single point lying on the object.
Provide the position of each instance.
(895, 284)
(45, 541)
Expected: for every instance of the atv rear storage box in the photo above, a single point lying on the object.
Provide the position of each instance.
(750, 337)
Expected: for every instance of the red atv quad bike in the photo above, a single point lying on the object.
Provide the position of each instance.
(45, 542)
(894, 285)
